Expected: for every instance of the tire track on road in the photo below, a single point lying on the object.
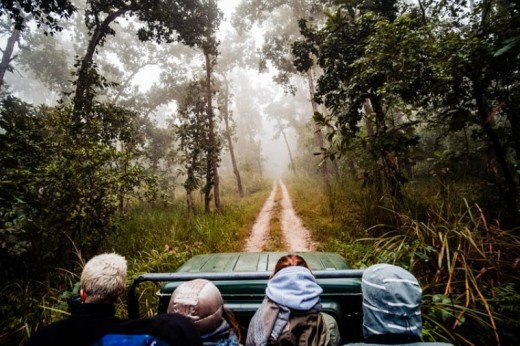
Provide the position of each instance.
(296, 236)
(260, 230)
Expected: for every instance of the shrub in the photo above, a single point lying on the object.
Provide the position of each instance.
(465, 263)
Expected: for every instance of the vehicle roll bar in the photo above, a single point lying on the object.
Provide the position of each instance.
(133, 302)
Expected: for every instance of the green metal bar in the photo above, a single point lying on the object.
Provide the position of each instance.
(133, 302)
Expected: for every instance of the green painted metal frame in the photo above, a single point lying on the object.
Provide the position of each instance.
(242, 278)
(133, 303)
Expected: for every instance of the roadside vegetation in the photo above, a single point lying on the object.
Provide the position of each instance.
(152, 238)
(467, 263)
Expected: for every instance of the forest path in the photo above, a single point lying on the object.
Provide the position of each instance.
(296, 236)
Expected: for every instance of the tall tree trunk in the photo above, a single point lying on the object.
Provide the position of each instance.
(318, 134)
(8, 52)
(335, 168)
(486, 120)
(212, 168)
(190, 204)
(82, 97)
(333, 160)
(373, 178)
(390, 167)
(259, 164)
(293, 167)
(225, 115)
(513, 115)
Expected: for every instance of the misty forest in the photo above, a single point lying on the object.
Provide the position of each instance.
(158, 129)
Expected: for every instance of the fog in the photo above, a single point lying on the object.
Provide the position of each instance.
(140, 71)
(274, 150)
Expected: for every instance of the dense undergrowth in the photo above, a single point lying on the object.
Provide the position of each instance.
(467, 263)
(153, 238)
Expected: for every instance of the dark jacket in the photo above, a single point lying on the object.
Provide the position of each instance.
(86, 324)
(174, 329)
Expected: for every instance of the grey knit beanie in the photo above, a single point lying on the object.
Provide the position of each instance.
(391, 301)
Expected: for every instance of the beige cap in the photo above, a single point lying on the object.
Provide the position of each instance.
(201, 301)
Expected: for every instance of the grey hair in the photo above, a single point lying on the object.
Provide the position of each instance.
(104, 278)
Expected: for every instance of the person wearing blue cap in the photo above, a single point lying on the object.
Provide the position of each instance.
(391, 307)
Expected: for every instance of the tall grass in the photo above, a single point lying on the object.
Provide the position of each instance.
(468, 265)
(335, 221)
(27, 304)
(463, 259)
(173, 230)
(153, 239)
(160, 240)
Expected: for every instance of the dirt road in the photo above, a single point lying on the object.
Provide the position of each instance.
(296, 236)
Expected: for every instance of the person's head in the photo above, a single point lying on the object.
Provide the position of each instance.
(289, 261)
(293, 285)
(103, 279)
(391, 302)
(201, 301)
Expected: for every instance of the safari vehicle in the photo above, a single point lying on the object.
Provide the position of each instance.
(242, 279)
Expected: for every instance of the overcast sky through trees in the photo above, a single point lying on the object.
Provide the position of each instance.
(274, 150)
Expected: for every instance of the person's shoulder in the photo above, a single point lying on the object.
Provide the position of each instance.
(332, 328)
(328, 318)
(50, 334)
(172, 327)
(171, 320)
(408, 344)
(433, 343)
